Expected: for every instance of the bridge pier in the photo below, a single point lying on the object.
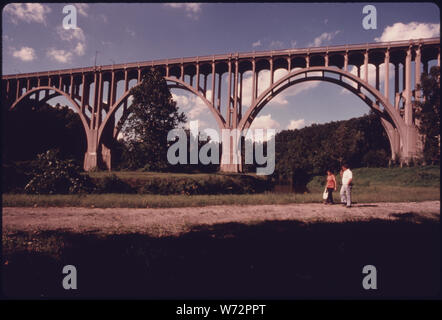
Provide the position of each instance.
(97, 155)
(231, 160)
(100, 158)
(411, 147)
(90, 160)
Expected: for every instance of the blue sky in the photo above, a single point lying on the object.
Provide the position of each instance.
(33, 40)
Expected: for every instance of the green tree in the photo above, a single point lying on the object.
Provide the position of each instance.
(31, 130)
(428, 114)
(153, 115)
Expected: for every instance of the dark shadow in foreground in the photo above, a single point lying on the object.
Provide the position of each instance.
(274, 259)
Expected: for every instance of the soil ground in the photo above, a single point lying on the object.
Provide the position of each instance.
(175, 221)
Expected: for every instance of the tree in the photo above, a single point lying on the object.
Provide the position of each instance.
(428, 114)
(153, 114)
(30, 130)
(311, 150)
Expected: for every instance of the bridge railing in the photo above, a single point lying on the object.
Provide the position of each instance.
(220, 57)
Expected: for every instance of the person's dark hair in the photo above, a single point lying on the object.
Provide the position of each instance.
(345, 165)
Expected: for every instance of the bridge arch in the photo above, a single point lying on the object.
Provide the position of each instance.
(391, 120)
(178, 84)
(57, 93)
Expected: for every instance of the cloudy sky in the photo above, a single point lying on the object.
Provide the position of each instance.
(34, 40)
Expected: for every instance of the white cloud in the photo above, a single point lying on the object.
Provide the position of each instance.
(192, 9)
(24, 54)
(412, 30)
(81, 8)
(296, 124)
(326, 36)
(70, 34)
(201, 125)
(256, 44)
(265, 122)
(61, 56)
(27, 12)
(293, 43)
(276, 44)
(192, 105)
(80, 49)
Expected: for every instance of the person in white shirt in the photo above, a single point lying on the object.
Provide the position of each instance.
(347, 177)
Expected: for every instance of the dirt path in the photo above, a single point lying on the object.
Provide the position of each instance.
(174, 221)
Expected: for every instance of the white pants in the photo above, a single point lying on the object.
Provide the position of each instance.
(346, 194)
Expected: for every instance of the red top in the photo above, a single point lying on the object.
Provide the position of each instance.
(331, 181)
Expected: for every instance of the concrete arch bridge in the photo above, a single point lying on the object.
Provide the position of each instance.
(97, 93)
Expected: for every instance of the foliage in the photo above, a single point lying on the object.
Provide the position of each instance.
(112, 184)
(31, 130)
(54, 176)
(187, 184)
(310, 151)
(428, 114)
(153, 115)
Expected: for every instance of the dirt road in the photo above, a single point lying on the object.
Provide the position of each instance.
(175, 221)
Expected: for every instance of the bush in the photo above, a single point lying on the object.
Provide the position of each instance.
(54, 176)
(217, 184)
(112, 184)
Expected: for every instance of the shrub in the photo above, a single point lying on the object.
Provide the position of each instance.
(54, 176)
(112, 184)
(217, 184)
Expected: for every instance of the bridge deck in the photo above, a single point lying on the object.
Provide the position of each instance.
(221, 57)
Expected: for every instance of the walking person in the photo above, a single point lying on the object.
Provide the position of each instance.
(347, 178)
(331, 186)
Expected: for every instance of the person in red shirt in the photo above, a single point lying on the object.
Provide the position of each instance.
(331, 186)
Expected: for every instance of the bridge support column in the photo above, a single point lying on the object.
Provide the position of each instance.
(91, 155)
(411, 146)
(106, 156)
(231, 151)
(96, 156)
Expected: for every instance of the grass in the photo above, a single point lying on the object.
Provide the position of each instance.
(360, 194)
(409, 177)
(371, 185)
